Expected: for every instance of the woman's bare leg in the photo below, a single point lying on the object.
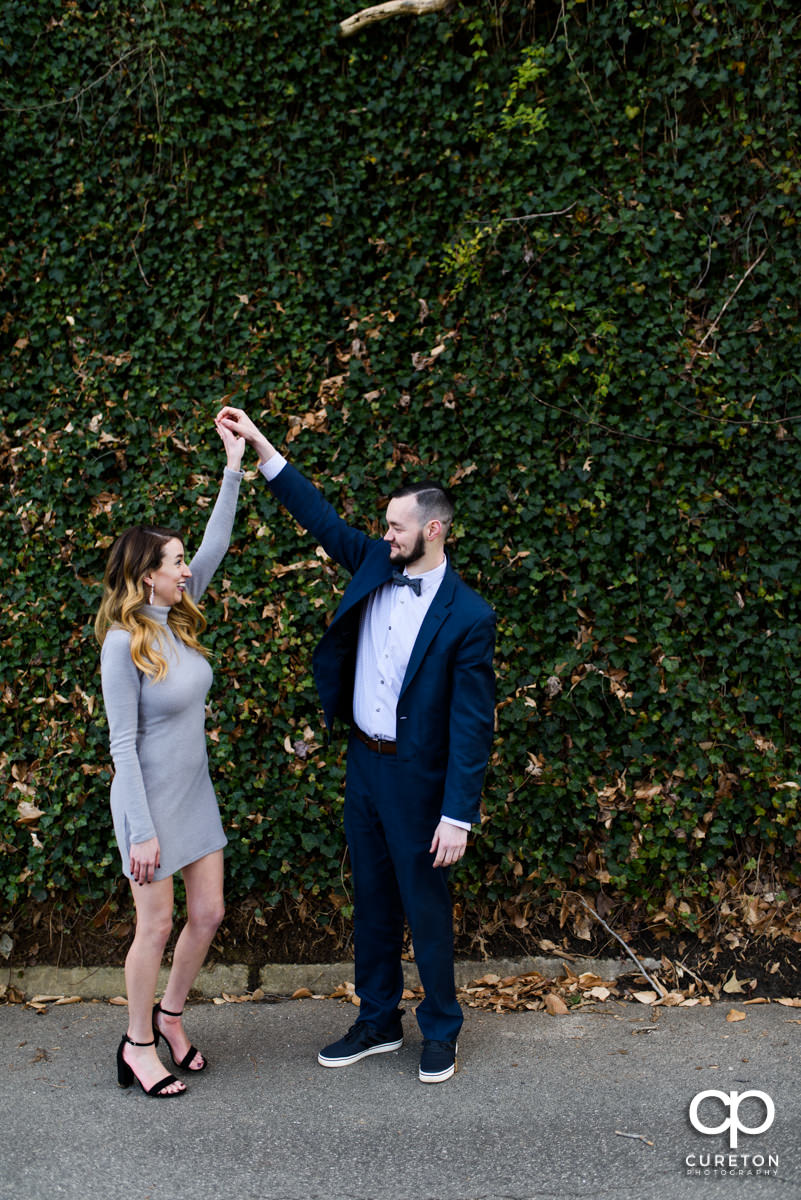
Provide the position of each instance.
(154, 904)
(204, 912)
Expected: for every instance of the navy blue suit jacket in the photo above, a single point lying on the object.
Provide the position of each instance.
(445, 714)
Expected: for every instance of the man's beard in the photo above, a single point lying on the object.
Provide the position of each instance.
(415, 554)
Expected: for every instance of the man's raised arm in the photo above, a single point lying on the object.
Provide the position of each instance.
(299, 495)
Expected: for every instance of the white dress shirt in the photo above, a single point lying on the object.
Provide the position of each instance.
(389, 625)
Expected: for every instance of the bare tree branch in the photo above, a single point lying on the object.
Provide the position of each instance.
(655, 984)
(392, 8)
(81, 91)
(559, 212)
(714, 326)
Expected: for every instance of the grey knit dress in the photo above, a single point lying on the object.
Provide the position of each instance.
(162, 786)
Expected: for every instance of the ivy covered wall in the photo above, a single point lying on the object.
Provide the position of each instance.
(546, 251)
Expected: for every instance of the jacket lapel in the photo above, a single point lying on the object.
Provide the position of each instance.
(369, 577)
(438, 612)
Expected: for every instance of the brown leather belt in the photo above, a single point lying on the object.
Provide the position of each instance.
(380, 745)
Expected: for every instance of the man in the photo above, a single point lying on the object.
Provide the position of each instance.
(406, 664)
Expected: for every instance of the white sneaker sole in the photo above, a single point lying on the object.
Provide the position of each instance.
(437, 1076)
(440, 1076)
(384, 1048)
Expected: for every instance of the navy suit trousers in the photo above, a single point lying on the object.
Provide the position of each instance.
(390, 819)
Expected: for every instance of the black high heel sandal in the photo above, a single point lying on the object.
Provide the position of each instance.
(126, 1074)
(183, 1065)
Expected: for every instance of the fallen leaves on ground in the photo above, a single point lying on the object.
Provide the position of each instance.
(645, 997)
(532, 991)
(242, 997)
(733, 984)
(345, 991)
(42, 1003)
(555, 1005)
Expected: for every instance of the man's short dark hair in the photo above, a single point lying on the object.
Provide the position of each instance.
(434, 502)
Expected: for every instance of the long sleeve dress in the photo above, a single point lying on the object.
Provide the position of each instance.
(161, 785)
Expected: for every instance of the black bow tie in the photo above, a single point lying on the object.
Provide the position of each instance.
(405, 581)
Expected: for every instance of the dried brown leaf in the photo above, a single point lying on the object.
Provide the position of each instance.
(29, 814)
(555, 1005)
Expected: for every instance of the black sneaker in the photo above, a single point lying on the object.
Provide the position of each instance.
(438, 1061)
(360, 1040)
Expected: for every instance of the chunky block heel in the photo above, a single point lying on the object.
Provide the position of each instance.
(125, 1075)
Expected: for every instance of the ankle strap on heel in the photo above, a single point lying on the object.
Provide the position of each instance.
(131, 1042)
(167, 1012)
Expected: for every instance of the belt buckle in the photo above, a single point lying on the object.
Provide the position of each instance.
(380, 742)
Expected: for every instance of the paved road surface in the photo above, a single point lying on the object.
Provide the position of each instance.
(537, 1110)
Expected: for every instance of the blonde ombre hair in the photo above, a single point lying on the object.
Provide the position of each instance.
(135, 553)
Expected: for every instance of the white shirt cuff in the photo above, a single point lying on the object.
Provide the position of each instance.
(274, 466)
(458, 824)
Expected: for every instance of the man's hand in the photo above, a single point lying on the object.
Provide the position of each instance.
(238, 422)
(449, 844)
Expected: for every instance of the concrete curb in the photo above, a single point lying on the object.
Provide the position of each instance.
(283, 979)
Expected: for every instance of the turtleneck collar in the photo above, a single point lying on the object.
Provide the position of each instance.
(157, 612)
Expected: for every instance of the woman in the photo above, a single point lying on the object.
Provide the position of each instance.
(155, 678)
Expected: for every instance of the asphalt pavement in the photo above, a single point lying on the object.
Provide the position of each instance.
(593, 1104)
